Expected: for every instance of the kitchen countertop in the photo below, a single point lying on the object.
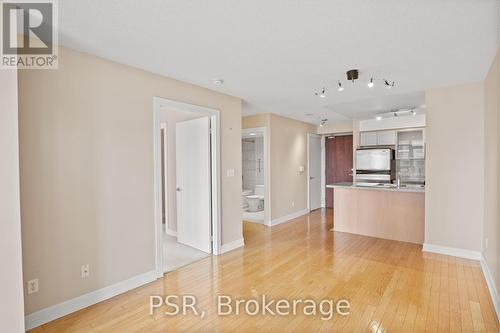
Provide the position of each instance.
(413, 189)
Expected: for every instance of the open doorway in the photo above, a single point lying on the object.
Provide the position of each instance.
(255, 201)
(186, 183)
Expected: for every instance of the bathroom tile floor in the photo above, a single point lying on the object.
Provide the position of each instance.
(253, 216)
(176, 255)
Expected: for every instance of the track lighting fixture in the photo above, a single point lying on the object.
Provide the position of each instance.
(352, 75)
(402, 112)
(323, 122)
(340, 88)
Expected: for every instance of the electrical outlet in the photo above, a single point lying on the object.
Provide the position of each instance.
(486, 243)
(85, 271)
(293, 203)
(33, 286)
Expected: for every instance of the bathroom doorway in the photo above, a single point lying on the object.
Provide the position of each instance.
(187, 196)
(255, 203)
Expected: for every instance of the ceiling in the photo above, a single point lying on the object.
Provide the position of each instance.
(276, 54)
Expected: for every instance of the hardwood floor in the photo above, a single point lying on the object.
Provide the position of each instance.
(391, 286)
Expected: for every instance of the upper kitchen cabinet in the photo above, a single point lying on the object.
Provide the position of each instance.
(377, 138)
(368, 139)
(386, 138)
(410, 144)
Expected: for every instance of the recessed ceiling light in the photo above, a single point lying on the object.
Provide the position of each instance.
(218, 82)
(378, 117)
(252, 134)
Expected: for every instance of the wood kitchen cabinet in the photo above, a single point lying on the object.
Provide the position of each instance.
(392, 215)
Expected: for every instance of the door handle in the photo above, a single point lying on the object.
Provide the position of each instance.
(311, 178)
(178, 189)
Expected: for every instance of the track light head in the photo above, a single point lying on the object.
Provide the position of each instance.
(340, 88)
(321, 94)
(388, 84)
(371, 84)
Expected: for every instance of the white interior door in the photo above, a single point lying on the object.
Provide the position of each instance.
(193, 183)
(314, 172)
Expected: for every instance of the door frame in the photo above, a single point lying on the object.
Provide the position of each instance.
(267, 197)
(309, 136)
(215, 174)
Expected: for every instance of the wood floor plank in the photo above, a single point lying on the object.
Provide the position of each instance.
(392, 287)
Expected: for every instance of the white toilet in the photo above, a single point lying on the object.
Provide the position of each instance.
(244, 195)
(256, 201)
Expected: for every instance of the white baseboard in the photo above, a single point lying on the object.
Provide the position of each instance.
(452, 251)
(62, 309)
(495, 298)
(254, 221)
(232, 245)
(289, 217)
(171, 232)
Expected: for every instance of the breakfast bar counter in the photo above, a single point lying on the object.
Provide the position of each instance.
(382, 211)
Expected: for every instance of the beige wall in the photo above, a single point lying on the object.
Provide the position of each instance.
(11, 283)
(455, 167)
(87, 197)
(288, 139)
(491, 179)
(258, 120)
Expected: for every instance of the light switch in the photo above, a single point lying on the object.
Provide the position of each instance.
(230, 172)
(301, 169)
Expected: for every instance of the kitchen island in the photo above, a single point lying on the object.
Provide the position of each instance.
(380, 211)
